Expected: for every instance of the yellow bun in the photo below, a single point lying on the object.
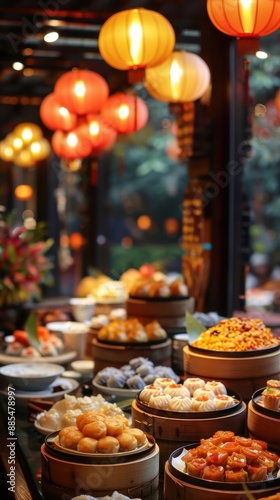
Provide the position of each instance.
(96, 429)
(65, 430)
(71, 439)
(114, 426)
(87, 445)
(108, 444)
(127, 441)
(138, 434)
(87, 418)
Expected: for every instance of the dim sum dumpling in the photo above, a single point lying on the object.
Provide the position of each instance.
(193, 383)
(203, 391)
(177, 390)
(216, 386)
(223, 401)
(147, 392)
(70, 417)
(180, 403)
(203, 403)
(50, 419)
(160, 400)
(163, 382)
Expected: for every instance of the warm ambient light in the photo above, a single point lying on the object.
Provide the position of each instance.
(55, 116)
(81, 91)
(23, 192)
(136, 39)
(18, 66)
(125, 113)
(51, 37)
(245, 19)
(25, 145)
(261, 54)
(182, 77)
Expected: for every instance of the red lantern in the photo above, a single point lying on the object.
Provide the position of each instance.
(81, 91)
(55, 116)
(71, 145)
(248, 20)
(101, 135)
(125, 113)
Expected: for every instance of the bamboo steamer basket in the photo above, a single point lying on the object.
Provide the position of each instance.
(91, 335)
(170, 313)
(243, 375)
(171, 433)
(118, 355)
(263, 424)
(137, 476)
(177, 489)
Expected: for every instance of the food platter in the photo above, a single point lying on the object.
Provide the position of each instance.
(177, 468)
(63, 358)
(191, 414)
(52, 443)
(234, 354)
(257, 402)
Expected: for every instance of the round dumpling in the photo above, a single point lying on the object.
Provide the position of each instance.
(177, 390)
(163, 382)
(180, 403)
(203, 391)
(223, 401)
(147, 392)
(135, 382)
(193, 383)
(160, 400)
(203, 403)
(216, 387)
(50, 419)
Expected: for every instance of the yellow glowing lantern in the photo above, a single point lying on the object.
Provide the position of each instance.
(28, 132)
(144, 222)
(23, 192)
(15, 142)
(135, 39)
(24, 158)
(40, 150)
(6, 151)
(182, 77)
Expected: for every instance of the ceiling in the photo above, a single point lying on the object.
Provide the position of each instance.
(23, 24)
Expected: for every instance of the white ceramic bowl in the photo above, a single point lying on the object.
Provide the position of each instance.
(31, 376)
(84, 366)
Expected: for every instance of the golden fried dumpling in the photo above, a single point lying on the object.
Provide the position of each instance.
(138, 434)
(87, 418)
(71, 438)
(96, 429)
(127, 441)
(87, 445)
(108, 444)
(114, 426)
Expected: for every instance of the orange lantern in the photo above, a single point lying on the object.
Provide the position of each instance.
(125, 113)
(23, 192)
(55, 116)
(81, 91)
(182, 77)
(247, 20)
(135, 39)
(71, 145)
(101, 134)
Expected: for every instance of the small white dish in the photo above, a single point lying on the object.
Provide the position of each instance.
(84, 366)
(31, 376)
(67, 386)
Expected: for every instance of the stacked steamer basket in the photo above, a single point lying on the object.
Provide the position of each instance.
(213, 475)
(74, 463)
(263, 420)
(240, 352)
(160, 298)
(123, 340)
(176, 414)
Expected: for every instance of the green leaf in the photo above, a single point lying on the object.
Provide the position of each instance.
(31, 329)
(194, 328)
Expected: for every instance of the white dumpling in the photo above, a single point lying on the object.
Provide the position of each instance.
(67, 403)
(177, 390)
(163, 382)
(147, 392)
(193, 383)
(216, 387)
(180, 403)
(160, 400)
(223, 401)
(50, 419)
(69, 418)
(203, 391)
(203, 403)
